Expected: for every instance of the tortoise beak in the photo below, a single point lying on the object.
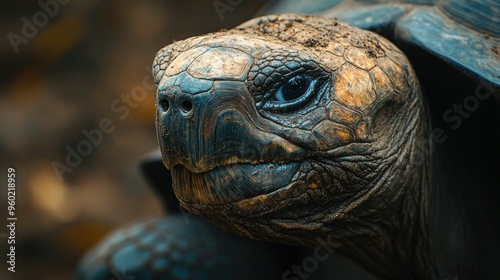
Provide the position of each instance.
(221, 126)
(218, 147)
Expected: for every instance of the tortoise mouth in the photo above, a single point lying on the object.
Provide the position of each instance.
(231, 183)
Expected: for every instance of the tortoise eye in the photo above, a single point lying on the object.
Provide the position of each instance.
(294, 93)
(294, 88)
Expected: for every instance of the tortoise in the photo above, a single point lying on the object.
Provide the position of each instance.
(364, 123)
(368, 124)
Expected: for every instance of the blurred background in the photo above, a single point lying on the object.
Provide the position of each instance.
(67, 68)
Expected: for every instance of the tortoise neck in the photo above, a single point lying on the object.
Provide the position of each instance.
(444, 228)
(395, 241)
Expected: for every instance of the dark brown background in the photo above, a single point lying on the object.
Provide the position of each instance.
(64, 80)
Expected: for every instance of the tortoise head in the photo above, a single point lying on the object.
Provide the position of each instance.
(289, 125)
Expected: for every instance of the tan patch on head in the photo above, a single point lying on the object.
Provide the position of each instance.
(221, 63)
(383, 85)
(340, 113)
(332, 134)
(354, 88)
(182, 61)
(332, 61)
(360, 58)
(394, 73)
(336, 49)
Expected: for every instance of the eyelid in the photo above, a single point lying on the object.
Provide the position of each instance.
(276, 66)
(282, 89)
(314, 86)
(277, 85)
(312, 72)
(292, 103)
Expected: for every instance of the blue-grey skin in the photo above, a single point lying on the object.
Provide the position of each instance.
(170, 248)
(158, 246)
(463, 33)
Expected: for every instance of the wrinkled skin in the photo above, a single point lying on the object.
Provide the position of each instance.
(302, 130)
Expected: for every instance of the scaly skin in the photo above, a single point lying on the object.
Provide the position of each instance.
(342, 164)
(170, 248)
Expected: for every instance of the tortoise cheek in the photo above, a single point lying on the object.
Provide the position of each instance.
(354, 88)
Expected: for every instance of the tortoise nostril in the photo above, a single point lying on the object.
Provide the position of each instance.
(164, 104)
(187, 106)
